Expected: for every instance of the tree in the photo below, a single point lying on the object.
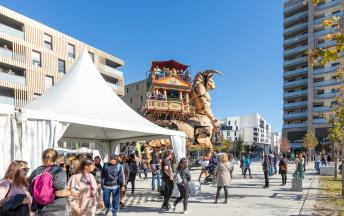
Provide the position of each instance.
(284, 145)
(310, 141)
(322, 56)
(238, 146)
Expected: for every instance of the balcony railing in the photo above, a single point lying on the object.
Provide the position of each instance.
(296, 28)
(295, 94)
(295, 72)
(325, 70)
(329, 5)
(295, 61)
(326, 95)
(320, 121)
(327, 44)
(113, 71)
(296, 16)
(6, 100)
(323, 32)
(11, 31)
(327, 83)
(12, 78)
(174, 106)
(321, 109)
(295, 104)
(295, 115)
(295, 39)
(320, 20)
(296, 83)
(294, 6)
(297, 125)
(295, 50)
(7, 53)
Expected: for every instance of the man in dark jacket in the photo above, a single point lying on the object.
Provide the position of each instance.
(113, 181)
(266, 164)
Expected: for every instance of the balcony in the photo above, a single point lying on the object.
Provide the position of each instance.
(329, 5)
(11, 77)
(320, 121)
(327, 83)
(295, 72)
(7, 53)
(297, 125)
(327, 44)
(323, 32)
(295, 39)
(294, 61)
(326, 95)
(320, 20)
(321, 109)
(325, 70)
(11, 31)
(295, 83)
(295, 17)
(295, 94)
(301, 49)
(6, 100)
(295, 28)
(295, 115)
(295, 104)
(113, 71)
(168, 106)
(294, 6)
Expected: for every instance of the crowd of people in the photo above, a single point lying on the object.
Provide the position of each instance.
(159, 73)
(85, 185)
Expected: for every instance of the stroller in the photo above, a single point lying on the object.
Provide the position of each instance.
(211, 178)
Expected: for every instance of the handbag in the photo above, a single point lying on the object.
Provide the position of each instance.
(177, 178)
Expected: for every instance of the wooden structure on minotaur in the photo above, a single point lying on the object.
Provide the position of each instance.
(175, 102)
(169, 86)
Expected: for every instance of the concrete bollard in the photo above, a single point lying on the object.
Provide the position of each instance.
(296, 184)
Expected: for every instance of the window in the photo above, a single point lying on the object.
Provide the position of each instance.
(61, 66)
(333, 90)
(36, 96)
(36, 58)
(229, 122)
(131, 101)
(48, 81)
(141, 98)
(137, 87)
(127, 90)
(48, 41)
(71, 51)
(91, 55)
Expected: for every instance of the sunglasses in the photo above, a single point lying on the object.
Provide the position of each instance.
(25, 169)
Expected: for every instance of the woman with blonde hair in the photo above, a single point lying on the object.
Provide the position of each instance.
(223, 169)
(14, 183)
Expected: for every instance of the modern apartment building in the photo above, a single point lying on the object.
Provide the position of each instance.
(276, 139)
(33, 57)
(135, 95)
(308, 92)
(251, 128)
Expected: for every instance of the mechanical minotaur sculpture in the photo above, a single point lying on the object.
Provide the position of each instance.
(202, 128)
(174, 101)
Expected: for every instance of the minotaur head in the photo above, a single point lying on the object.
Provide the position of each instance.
(206, 78)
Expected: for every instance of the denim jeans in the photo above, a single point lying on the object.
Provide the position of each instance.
(115, 198)
(271, 170)
(156, 176)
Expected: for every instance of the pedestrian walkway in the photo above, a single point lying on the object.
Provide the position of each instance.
(246, 197)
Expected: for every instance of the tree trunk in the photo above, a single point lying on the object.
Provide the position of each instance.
(335, 167)
(343, 177)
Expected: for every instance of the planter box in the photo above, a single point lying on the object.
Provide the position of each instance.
(327, 170)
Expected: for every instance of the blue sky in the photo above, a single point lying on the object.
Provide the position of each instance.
(243, 39)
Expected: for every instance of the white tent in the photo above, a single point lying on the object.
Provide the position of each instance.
(83, 106)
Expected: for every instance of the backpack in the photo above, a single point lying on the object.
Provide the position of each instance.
(43, 191)
(112, 174)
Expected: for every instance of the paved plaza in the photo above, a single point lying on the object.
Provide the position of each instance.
(246, 197)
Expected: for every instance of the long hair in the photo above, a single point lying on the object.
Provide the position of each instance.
(13, 173)
(85, 162)
(167, 153)
(183, 163)
(224, 158)
(75, 166)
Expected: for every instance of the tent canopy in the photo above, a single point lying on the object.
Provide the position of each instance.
(90, 106)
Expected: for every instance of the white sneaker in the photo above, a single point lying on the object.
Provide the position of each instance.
(187, 211)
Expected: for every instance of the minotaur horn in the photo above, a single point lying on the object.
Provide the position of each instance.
(211, 72)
